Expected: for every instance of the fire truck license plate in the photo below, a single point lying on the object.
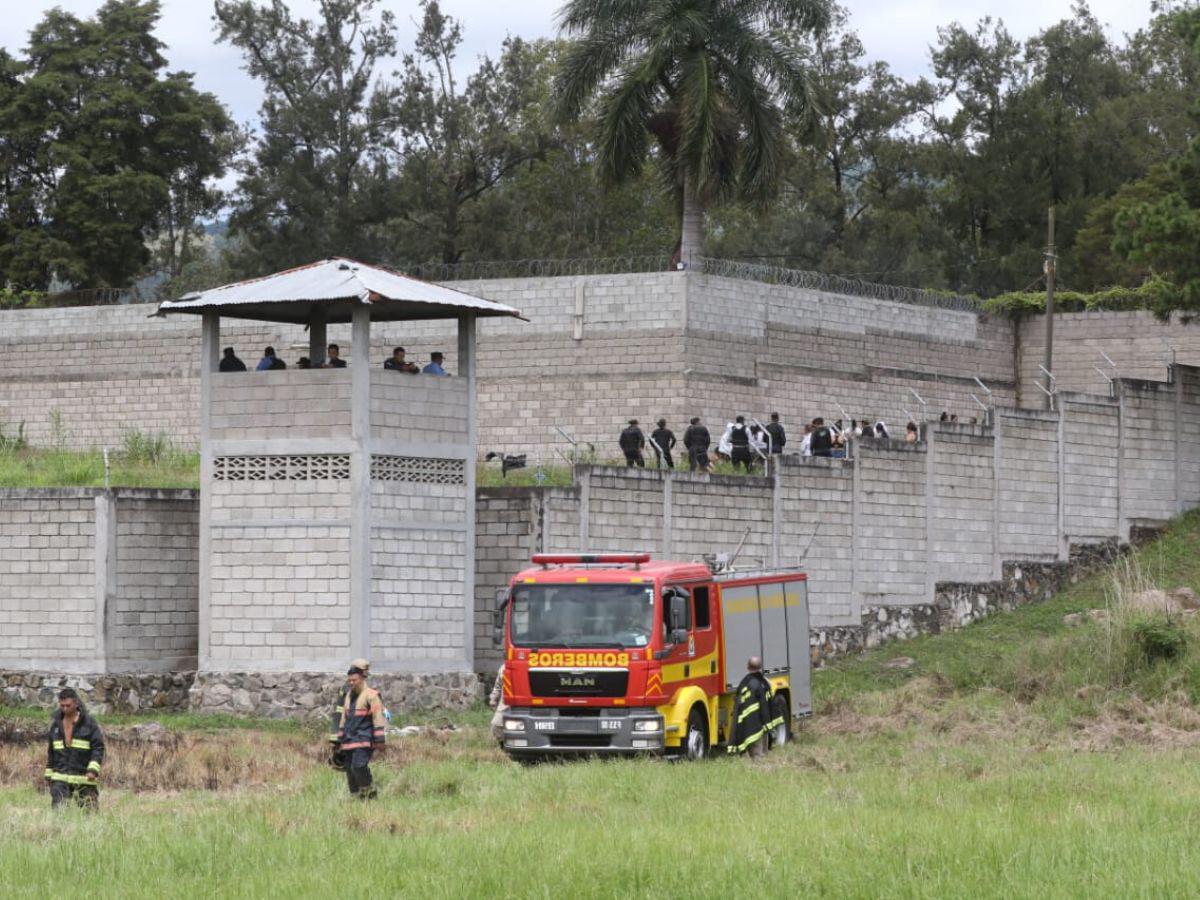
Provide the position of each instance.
(543, 726)
(610, 724)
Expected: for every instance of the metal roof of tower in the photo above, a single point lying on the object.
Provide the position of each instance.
(337, 286)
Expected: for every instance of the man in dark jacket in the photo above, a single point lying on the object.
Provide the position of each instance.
(695, 441)
(752, 716)
(230, 362)
(778, 435)
(822, 439)
(75, 753)
(361, 731)
(739, 440)
(664, 441)
(632, 442)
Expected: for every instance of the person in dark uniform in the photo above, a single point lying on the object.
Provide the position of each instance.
(664, 441)
(632, 442)
(230, 362)
(739, 439)
(752, 715)
(822, 438)
(778, 435)
(74, 754)
(696, 441)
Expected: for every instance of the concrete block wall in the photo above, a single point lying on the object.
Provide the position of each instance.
(404, 406)
(152, 622)
(1187, 404)
(817, 531)
(962, 502)
(1090, 468)
(1027, 526)
(890, 534)
(95, 581)
(1148, 451)
(1139, 343)
(305, 404)
(417, 549)
(48, 581)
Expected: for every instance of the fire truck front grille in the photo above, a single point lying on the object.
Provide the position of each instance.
(580, 740)
(578, 683)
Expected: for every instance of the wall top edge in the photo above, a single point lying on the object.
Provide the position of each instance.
(81, 493)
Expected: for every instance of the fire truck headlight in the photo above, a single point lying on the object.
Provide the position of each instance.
(648, 725)
(514, 725)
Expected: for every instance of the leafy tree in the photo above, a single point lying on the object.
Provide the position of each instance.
(1163, 234)
(704, 81)
(102, 148)
(452, 144)
(310, 190)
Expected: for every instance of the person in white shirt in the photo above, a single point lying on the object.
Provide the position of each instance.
(806, 441)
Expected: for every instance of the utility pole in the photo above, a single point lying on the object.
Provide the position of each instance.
(1050, 268)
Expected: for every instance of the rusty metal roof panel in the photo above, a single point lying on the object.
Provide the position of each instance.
(337, 286)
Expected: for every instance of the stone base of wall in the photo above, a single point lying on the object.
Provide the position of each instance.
(277, 695)
(958, 605)
(161, 692)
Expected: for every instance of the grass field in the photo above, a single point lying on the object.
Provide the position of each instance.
(1017, 758)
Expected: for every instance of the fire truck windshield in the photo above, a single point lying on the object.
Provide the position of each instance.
(582, 615)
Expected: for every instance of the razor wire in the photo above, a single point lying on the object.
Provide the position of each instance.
(538, 268)
(836, 284)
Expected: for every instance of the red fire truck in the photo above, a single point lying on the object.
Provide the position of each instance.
(615, 653)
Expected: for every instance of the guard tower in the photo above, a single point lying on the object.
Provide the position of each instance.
(337, 504)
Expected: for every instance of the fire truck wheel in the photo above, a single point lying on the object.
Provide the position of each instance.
(695, 746)
(780, 734)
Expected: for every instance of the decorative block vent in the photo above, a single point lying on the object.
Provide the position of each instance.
(418, 469)
(315, 467)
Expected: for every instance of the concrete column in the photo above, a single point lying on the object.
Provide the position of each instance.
(584, 475)
(577, 319)
(317, 340)
(931, 512)
(668, 516)
(467, 369)
(1122, 522)
(776, 511)
(106, 574)
(360, 483)
(210, 359)
(997, 472)
(856, 604)
(1064, 549)
(1177, 431)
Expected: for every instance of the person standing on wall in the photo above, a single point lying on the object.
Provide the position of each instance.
(664, 442)
(75, 753)
(230, 362)
(632, 442)
(778, 435)
(822, 438)
(362, 728)
(739, 440)
(696, 441)
(752, 712)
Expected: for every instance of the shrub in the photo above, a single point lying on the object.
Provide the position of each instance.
(1159, 638)
(10, 443)
(149, 448)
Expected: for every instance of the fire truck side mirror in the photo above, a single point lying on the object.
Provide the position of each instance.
(498, 617)
(678, 615)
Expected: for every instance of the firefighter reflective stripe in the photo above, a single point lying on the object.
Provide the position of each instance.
(49, 773)
(738, 748)
(81, 745)
(752, 708)
(93, 766)
(58, 745)
(70, 779)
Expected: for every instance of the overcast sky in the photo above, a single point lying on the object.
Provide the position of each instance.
(898, 33)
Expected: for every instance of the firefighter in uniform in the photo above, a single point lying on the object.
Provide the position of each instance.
(337, 758)
(753, 720)
(75, 753)
(361, 730)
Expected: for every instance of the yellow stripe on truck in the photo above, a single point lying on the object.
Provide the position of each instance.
(700, 667)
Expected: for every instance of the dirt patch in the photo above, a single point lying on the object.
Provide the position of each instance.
(1168, 724)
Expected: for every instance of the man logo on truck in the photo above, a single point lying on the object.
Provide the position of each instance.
(575, 681)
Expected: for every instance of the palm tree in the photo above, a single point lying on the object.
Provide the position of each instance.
(706, 81)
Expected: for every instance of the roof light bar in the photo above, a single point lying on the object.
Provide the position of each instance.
(586, 559)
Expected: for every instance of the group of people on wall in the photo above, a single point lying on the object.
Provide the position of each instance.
(270, 361)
